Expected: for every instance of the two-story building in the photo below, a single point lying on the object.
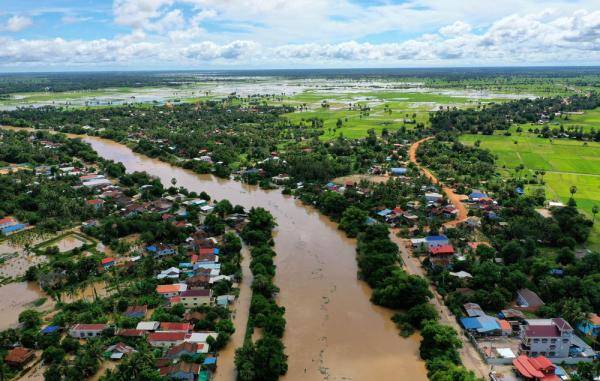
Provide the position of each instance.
(546, 337)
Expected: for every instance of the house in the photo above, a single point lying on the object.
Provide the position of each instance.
(12, 229)
(169, 290)
(147, 326)
(170, 273)
(473, 309)
(160, 250)
(95, 203)
(176, 327)
(398, 171)
(210, 363)
(8, 221)
(441, 255)
(481, 325)
(201, 337)
(225, 300)
(107, 263)
(198, 281)
(166, 339)
(418, 243)
(84, 331)
(546, 337)
(528, 300)
(194, 316)
(476, 196)
(49, 330)
(195, 298)
(128, 332)
(461, 274)
(136, 312)
(117, 351)
(535, 368)
(181, 371)
(432, 197)
(437, 240)
(186, 348)
(591, 326)
(19, 356)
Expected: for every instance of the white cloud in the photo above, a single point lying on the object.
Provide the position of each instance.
(163, 36)
(17, 23)
(459, 27)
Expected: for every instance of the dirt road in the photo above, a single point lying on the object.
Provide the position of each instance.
(454, 198)
(469, 356)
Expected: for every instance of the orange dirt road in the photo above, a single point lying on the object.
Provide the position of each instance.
(454, 198)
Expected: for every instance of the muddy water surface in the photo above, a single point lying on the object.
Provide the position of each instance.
(16, 298)
(333, 331)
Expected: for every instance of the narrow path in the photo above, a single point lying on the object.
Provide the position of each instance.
(468, 354)
(226, 367)
(454, 198)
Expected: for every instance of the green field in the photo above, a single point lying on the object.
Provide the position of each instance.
(403, 105)
(566, 163)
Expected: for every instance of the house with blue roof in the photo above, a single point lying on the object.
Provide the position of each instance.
(481, 325)
(398, 171)
(50, 329)
(437, 240)
(384, 212)
(160, 250)
(476, 196)
(12, 229)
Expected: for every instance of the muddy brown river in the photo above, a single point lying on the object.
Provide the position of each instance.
(333, 331)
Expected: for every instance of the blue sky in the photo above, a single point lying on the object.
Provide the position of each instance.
(197, 34)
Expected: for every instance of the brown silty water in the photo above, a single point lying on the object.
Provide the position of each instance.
(333, 331)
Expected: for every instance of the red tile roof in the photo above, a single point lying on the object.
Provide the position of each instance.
(193, 293)
(107, 260)
(542, 331)
(185, 327)
(167, 336)
(535, 367)
(128, 332)
(441, 250)
(19, 355)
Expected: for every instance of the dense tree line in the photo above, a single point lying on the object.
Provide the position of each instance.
(264, 360)
(500, 116)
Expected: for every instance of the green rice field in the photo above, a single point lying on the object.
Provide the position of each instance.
(565, 162)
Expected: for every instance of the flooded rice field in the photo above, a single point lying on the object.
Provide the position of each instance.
(18, 297)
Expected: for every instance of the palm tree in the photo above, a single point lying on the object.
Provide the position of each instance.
(573, 190)
(595, 210)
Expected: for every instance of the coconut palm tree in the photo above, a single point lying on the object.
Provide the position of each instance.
(594, 212)
(573, 190)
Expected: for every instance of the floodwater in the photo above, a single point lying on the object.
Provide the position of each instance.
(241, 309)
(69, 243)
(333, 331)
(16, 298)
(88, 293)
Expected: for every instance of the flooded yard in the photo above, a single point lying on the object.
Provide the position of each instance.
(18, 297)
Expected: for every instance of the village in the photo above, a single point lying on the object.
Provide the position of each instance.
(195, 276)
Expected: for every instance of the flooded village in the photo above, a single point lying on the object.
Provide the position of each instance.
(185, 270)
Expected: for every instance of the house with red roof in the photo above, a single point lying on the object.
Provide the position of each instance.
(535, 368)
(19, 356)
(108, 262)
(175, 327)
(166, 339)
(441, 255)
(181, 371)
(186, 348)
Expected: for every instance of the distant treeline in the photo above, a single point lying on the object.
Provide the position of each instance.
(56, 82)
(501, 116)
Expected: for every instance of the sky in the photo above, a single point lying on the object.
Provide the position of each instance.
(52, 35)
